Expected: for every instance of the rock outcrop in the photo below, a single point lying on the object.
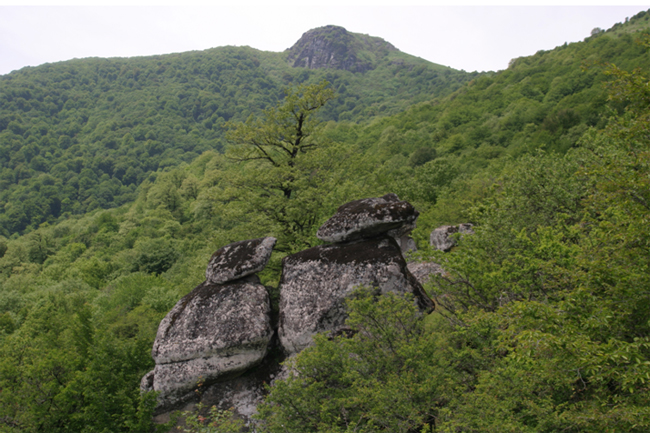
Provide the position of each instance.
(239, 259)
(406, 243)
(423, 271)
(316, 282)
(366, 218)
(218, 337)
(217, 331)
(334, 47)
(441, 238)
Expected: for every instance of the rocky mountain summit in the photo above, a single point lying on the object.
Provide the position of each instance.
(334, 47)
(217, 338)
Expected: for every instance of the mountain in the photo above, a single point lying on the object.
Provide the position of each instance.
(83, 134)
(117, 186)
(544, 101)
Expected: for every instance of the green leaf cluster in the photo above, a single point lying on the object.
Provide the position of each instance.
(382, 378)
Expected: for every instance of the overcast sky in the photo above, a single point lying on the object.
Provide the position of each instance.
(464, 37)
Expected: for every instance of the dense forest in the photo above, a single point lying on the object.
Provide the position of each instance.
(82, 135)
(120, 177)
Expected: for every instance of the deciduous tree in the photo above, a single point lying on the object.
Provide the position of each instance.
(285, 170)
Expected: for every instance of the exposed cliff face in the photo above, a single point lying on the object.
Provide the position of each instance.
(334, 47)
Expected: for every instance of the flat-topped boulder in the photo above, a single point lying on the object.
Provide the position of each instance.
(315, 283)
(442, 238)
(213, 333)
(239, 259)
(370, 217)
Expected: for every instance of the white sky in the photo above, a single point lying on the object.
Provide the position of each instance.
(470, 37)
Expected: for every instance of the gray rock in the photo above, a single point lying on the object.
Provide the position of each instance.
(368, 218)
(315, 283)
(422, 271)
(239, 259)
(242, 394)
(213, 333)
(335, 48)
(406, 243)
(146, 383)
(441, 238)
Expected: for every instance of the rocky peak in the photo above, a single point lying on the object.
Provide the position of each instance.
(334, 47)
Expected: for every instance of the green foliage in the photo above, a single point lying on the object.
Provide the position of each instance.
(154, 256)
(526, 240)
(577, 357)
(82, 135)
(380, 379)
(548, 299)
(60, 360)
(286, 168)
(214, 421)
(546, 101)
(548, 304)
(422, 155)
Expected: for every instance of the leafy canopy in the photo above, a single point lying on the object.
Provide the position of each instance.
(285, 170)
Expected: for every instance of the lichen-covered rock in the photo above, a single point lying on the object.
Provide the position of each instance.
(315, 283)
(441, 238)
(239, 259)
(215, 332)
(368, 218)
(423, 271)
(241, 394)
(146, 383)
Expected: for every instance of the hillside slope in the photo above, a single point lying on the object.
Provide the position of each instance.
(81, 297)
(544, 101)
(82, 134)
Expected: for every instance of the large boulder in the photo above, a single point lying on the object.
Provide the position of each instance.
(369, 217)
(213, 333)
(442, 239)
(315, 283)
(219, 330)
(239, 259)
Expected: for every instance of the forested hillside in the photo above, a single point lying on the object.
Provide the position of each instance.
(120, 177)
(81, 135)
(542, 322)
